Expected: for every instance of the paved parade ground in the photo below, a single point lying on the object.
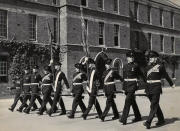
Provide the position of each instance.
(15, 121)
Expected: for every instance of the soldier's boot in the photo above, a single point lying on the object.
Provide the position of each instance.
(70, 116)
(19, 109)
(147, 125)
(49, 112)
(62, 113)
(27, 110)
(84, 116)
(11, 109)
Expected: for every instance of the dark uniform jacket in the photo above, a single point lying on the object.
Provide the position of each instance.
(17, 86)
(47, 81)
(35, 80)
(27, 83)
(78, 78)
(156, 73)
(94, 81)
(59, 77)
(130, 71)
(108, 77)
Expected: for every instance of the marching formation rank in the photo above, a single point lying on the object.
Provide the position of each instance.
(89, 76)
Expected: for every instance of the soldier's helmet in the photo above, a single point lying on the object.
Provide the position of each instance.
(47, 68)
(57, 63)
(35, 67)
(130, 54)
(153, 54)
(108, 61)
(91, 61)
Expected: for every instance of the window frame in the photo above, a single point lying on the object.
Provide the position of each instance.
(116, 11)
(117, 34)
(162, 43)
(6, 22)
(86, 3)
(4, 75)
(102, 8)
(31, 28)
(103, 33)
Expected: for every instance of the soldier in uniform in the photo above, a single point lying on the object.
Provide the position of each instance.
(35, 87)
(109, 88)
(93, 89)
(131, 74)
(47, 88)
(26, 89)
(60, 76)
(18, 90)
(154, 73)
(78, 78)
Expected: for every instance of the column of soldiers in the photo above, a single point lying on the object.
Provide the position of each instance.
(86, 78)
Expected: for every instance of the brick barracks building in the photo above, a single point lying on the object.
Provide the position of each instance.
(118, 25)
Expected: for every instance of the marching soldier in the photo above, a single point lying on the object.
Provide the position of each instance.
(154, 73)
(109, 88)
(46, 88)
(60, 76)
(131, 73)
(35, 83)
(18, 90)
(78, 78)
(26, 89)
(92, 90)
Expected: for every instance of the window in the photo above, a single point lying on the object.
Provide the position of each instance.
(55, 30)
(3, 71)
(136, 6)
(162, 43)
(136, 40)
(3, 23)
(172, 45)
(116, 5)
(172, 19)
(86, 25)
(161, 17)
(101, 33)
(32, 27)
(116, 35)
(54, 2)
(149, 41)
(149, 14)
(101, 4)
(84, 2)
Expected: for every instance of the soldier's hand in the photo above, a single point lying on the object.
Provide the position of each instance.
(173, 86)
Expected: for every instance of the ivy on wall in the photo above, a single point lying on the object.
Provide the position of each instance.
(21, 52)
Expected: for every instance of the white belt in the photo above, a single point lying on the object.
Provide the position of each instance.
(27, 84)
(130, 79)
(153, 81)
(109, 83)
(76, 84)
(46, 84)
(34, 83)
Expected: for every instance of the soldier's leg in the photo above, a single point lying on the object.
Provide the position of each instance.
(107, 108)
(135, 108)
(44, 102)
(126, 108)
(90, 104)
(55, 100)
(61, 103)
(154, 107)
(98, 108)
(160, 115)
(34, 104)
(32, 101)
(16, 99)
(39, 99)
(25, 99)
(115, 110)
(81, 104)
(74, 105)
